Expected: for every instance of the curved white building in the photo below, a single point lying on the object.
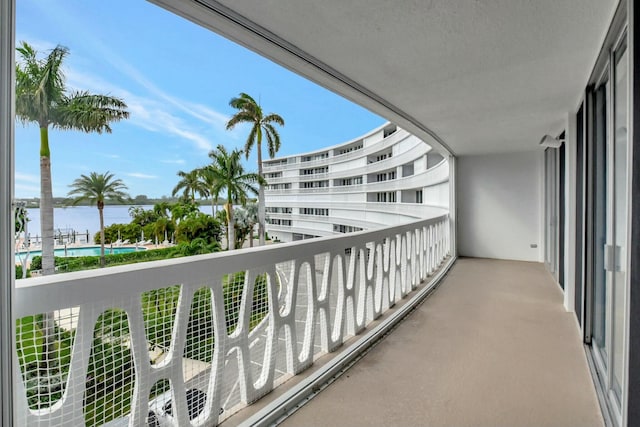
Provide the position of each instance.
(385, 177)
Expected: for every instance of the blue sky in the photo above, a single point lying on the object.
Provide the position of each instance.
(177, 79)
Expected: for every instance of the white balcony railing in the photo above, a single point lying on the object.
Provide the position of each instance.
(312, 176)
(111, 345)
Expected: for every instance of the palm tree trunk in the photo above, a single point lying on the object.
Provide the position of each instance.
(46, 204)
(101, 213)
(231, 238)
(46, 231)
(261, 213)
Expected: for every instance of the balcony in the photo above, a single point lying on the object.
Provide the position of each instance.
(493, 345)
(311, 177)
(129, 344)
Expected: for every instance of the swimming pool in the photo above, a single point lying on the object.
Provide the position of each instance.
(83, 251)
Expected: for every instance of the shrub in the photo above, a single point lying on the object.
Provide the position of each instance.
(129, 232)
(36, 263)
(68, 264)
(196, 247)
(19, 272)
(198, 226)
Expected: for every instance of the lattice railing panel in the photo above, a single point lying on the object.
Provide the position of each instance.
(192, 341)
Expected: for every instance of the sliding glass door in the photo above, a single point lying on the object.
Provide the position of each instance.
(618, 241)
(600, 195)
(607, 232)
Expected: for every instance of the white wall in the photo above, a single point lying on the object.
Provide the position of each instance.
(499, 206)
(437, 195)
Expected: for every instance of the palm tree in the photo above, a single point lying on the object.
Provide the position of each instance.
(249, 111)
(96, 189)
(161, 227)
(42, 98)
(162, 209)
(209, 180)
(246, 220)
(190, 184)
(251, 218)
(229, 175)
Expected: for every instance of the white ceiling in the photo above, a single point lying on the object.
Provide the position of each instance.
(478, 75)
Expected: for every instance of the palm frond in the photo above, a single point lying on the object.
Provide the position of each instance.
(252, 140)
(89, 113)
(273, 139)
(240, 117)
(190, 184)
(245, 102)
(39, 83)
(41, 95)
(96, 188)
(273, 118)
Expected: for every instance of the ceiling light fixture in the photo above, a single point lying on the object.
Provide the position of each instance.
(549, 141)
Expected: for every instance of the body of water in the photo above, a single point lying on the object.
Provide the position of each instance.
(85, 218)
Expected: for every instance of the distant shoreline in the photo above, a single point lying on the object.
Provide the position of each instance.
(61, 202)
(84, 218)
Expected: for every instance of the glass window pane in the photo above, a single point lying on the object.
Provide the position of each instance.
(620, 215)
(600, 221)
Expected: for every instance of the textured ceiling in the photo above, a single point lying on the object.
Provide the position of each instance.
(481, 75)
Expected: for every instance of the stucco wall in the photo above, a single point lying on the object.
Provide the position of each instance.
(499, 206)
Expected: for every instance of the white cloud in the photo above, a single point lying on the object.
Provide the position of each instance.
(141, 175)
(34, 191)
(153, 114)
(200, 141)
(174, 162)
(198, 111)
(27, 177)
(204, 113)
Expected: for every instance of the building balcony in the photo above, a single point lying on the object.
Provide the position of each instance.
(247, 337)
(491, 345)
(129, 345)
(293, 162)
(311, 177)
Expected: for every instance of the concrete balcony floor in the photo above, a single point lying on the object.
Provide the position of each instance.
(492, 346)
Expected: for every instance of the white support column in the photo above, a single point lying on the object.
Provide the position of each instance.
(542, 191)
(7, 270)
(453, 210)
